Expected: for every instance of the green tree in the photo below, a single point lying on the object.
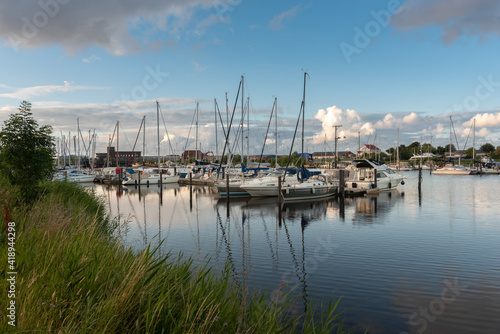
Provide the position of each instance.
(487, 148)
(26, 152)
(469, 153)
(496, 153)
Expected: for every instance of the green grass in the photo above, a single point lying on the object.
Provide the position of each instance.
(73, 276)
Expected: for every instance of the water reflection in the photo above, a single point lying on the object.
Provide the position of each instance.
(387, 255)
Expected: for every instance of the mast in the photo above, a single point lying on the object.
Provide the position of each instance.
(196, 140)
(242, 118)
(397, 153)
(276, 133)
(117, 142)
(303, 117)
(158, 134)
(143, 139)
(78, 128)
(474, 144)
(215, 112)
(248, 131)
(450, 138)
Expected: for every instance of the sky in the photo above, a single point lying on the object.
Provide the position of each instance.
(375, 67)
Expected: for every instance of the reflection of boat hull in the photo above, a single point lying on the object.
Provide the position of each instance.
(151, 179)
(460, 170)
(306, 191)
(234, 190)
(79, 178)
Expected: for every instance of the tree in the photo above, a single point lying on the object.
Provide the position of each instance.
(487, 148)
(26, 152)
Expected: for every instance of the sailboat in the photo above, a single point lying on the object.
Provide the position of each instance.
(451, 169)
(309, 187)
(147, 178)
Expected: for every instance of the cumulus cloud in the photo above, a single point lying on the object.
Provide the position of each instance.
(455, 18)
(411, 118)
(117, 26)
(484, 120)
(91, 59)
(277, 21)
(349, 119)
(28, 92)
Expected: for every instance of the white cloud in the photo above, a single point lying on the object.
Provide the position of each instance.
(484, 120)
(411, 118)
(455, 18)
(117, 26)
(91, 59)
(28, 92)
(350, 121)
(198, 67)
(277, 21)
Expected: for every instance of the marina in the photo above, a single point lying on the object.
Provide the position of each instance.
(404, 260)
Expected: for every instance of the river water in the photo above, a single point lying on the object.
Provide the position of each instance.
(401, 263)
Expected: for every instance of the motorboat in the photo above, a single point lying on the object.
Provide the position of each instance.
(367, 174)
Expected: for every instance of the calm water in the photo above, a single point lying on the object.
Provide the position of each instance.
(400, 263)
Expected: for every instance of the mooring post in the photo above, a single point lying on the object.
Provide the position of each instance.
(279, 192)
(342, 194)
(139, 182)
(341, 183)
(66, 175)
(227, 190)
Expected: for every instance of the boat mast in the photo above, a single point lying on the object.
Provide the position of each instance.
(117, 142)
(248, 131)
(158, 133)
(196, 140)
(215, 112)
(242, 119)
(474, 144)
(144, 139)
(303, 119)
(450, 139)
(276, 133)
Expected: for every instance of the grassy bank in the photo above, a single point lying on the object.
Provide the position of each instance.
(74, 277)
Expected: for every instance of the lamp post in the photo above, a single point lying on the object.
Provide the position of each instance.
(336, 138)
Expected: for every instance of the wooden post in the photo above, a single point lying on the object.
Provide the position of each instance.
(190, 190)
(227, 190)
(342, 193)
(66, 175)
(419, 178)
(341, 183)
(279, 192)
(375, 177)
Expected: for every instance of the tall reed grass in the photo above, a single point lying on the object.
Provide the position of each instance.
(75, 277)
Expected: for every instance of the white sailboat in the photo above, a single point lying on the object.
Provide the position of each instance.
(315, 187)
(148, 177)
(451, 169)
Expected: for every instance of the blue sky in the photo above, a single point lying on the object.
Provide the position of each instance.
(374, 66)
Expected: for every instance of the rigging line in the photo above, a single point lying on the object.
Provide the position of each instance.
(454, 134)
(111, 141)
(189, 133)
(293, 140)
(267, 131)
(165, 126)
(222, 124)
(230, 124)
(468, 136)
(136, 138)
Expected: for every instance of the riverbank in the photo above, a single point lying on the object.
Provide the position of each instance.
(73, 276)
